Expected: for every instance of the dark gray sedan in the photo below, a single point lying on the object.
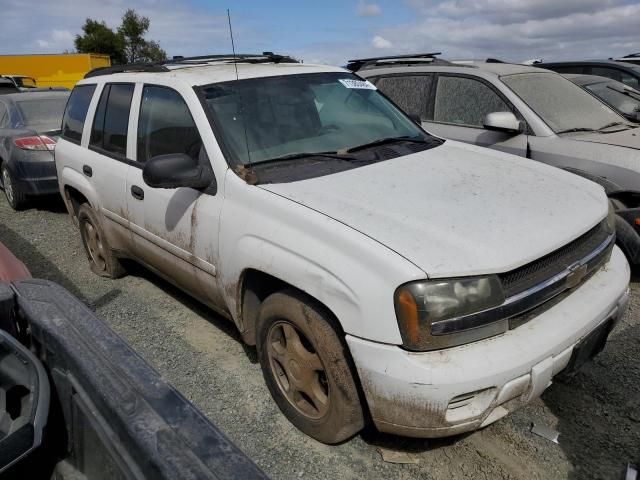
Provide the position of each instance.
(622, 98)
(29, 128)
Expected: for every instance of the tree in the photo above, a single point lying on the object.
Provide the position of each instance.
(126, 45)
(137, 49)
(98, 38)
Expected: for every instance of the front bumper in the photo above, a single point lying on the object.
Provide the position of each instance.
(460, 389)
(35, 177)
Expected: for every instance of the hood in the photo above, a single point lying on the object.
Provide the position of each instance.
(626, 138)
(457, 209)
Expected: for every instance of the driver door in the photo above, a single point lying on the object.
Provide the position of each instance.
(458, 109)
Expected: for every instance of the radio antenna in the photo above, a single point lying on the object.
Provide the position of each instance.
(235, 64)
(233, 46)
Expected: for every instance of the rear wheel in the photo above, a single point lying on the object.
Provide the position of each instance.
(101, 258)
(17, 200)
(306, 368)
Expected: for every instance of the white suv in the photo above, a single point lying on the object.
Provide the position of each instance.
(383, 273)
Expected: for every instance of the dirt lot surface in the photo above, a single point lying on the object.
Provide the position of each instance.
(597, 413)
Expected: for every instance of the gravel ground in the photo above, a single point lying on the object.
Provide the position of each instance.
(597, 412)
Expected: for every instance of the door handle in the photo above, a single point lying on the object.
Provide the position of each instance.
(87, 170)
(137, 192)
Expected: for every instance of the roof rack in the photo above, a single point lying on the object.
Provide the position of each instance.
(131, 67)
(360, 63)
(264, 57)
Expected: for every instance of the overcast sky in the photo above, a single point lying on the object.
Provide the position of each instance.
(333, 31)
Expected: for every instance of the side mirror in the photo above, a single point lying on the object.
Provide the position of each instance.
(502, 122)
(416, 118)
(176, 170)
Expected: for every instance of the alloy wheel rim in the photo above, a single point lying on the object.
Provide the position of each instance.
(8, 187)
(298, 370)
(94, 245)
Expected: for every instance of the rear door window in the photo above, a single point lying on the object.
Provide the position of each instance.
(465, 101)
(607, 72)
(76, 112)
(111, 121)
(4, 116)
(567, 69)
(166, 125)
(630, 80)
(409, 92)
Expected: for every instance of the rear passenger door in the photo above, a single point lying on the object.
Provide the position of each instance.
(175, 230)
(106, 162)
(458, 108)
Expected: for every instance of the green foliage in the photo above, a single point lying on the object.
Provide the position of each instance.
(126, 45)
(98, 38)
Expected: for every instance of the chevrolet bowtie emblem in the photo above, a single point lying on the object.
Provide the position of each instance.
(576, 274)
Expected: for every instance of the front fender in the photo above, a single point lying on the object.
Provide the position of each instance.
(354, 276)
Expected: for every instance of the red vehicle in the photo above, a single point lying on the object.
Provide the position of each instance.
(10, 267)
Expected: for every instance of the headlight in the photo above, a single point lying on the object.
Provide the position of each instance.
(610, 221)
(430, 308)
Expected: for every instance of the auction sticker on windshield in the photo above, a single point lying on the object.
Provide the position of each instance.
(359, 84)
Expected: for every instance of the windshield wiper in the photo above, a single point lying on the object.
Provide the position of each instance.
(614, 124)
(301, 155)
(630, 93)
(578, 129)
(384, 141)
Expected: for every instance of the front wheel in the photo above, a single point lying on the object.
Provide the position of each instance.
(306, 368)
(17, 200)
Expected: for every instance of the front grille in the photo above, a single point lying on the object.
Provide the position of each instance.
(593, 266)
(531, 274)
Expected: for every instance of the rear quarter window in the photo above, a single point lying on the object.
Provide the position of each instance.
(76, 112)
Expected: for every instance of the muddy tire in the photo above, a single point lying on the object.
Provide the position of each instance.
(307, 368)
(16, 199)
(101, 258)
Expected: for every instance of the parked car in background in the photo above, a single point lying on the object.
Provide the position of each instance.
(623, 72)
(22, 82)
(29, 129)
(7, 86)
(631, 58)
(76, 402)
(622, 98)
(527, 111)
(365, 258)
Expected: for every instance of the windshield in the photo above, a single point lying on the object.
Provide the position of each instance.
(25, 82)
(307, 113)
(562, 105)
(625, 101)
(45, 113)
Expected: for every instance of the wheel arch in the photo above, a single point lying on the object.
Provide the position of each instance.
(255, 286)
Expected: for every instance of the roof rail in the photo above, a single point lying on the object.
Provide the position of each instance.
(264, 57)
(359, 63)
(131, 67)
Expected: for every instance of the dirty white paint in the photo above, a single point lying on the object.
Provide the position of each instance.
(351, 238)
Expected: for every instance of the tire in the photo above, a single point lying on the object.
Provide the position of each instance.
(16, 199)
(101, 258)
(628, 241)
(307, 368)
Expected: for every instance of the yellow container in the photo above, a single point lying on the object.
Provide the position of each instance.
(55, 70)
